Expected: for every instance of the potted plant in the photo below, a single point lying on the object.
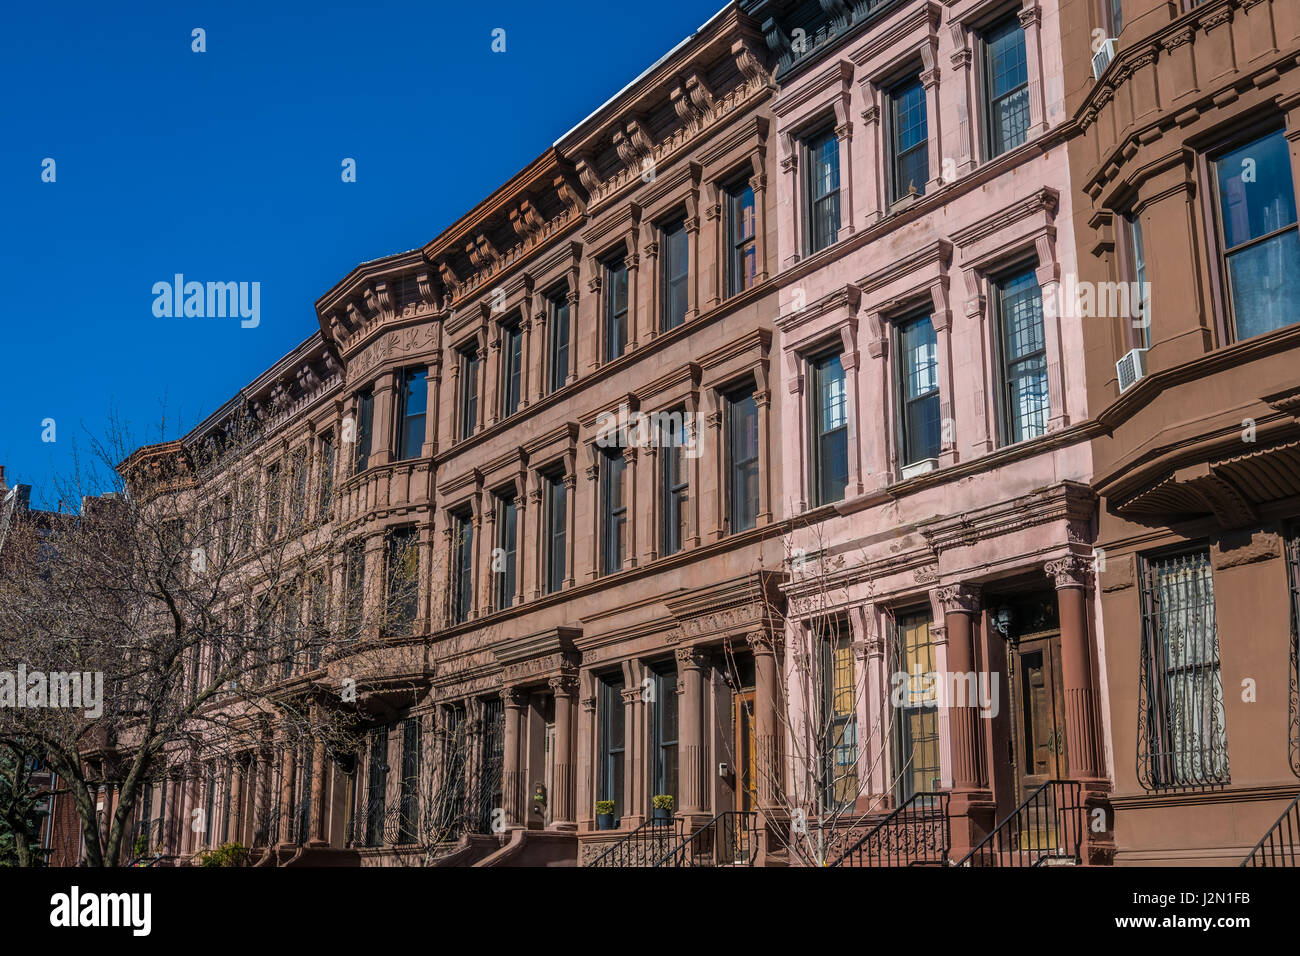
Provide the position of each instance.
(663, 804)
(604, 814)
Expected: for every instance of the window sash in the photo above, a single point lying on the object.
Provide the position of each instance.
(823, 191)
(365, 424)
(469, 368)
(612, 744)
(743, 450)
(508, 542)
(742, 237)
(556, 533)
(511, 369)
(463, 552)
(1026, 403)
(414, 405)
(830, 428)
(1006, 77)
(919, 390)
(674, 481)
(559, 344)
(613, 513)
(909, 139)
(665, 728)
(675, 246)
(616, 310)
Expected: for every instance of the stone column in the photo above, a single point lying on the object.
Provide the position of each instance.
(767, 733)
(571, 527)
(1083, 745)
(381, 436)
(235, 819)
(318, 837)
(512, 775)
(288, 767)
(562, 796)
(971, 807)
(635, 739)
(261, 793)
(693, 747)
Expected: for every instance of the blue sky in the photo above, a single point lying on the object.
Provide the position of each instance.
(225, 166)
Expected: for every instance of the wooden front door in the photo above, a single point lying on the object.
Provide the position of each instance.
(1039, 714)
(746, 774)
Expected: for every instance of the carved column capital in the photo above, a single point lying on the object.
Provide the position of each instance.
(1071, 571)
(692, 658)
(959, 598)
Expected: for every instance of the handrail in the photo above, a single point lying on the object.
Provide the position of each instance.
(1051, 814)
(729, 839)
(1281, 841)
(923, 815)
(644, 845)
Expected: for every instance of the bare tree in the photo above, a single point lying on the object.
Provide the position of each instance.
(182, 599)
(819, 795)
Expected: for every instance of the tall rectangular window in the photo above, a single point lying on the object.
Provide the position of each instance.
(908, 140)
(612, 744)
(664, 731)
(916, 740)
(354, 569)
(468, 398)
(613, 511)
(413, 403)
(840, 719)
(403, 584)
(822, 160)
(325, 481)
(364, 428)
(1258, 238)
(1141, 303)
(674, 248)
(830, 431)
(319, 608)
(408, 824)
(274, 502)
(298, 487)
(1116, 10)
(557, 530)
(1024, 356)
(616, 307)
(504, 560)
(462, 584)
(558, 366)
(376, 786)
(674, 483)
(742, 460)
(512, 368)
(742, 238)
(1182, 693)
(919, 390)
(1006, 86)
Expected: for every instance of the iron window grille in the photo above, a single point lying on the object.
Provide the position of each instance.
(1182, 740)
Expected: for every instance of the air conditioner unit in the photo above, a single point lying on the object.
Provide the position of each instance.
(1101, 59)
(1131, 368)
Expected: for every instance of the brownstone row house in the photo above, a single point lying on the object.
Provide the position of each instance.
(1185, 165)
(779, 442)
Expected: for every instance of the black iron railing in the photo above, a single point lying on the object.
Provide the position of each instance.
(297, 828)
(729, 839)
(644, 846)
(1281, 844)
(148, 837)
(1046, 828)
(913, 835)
